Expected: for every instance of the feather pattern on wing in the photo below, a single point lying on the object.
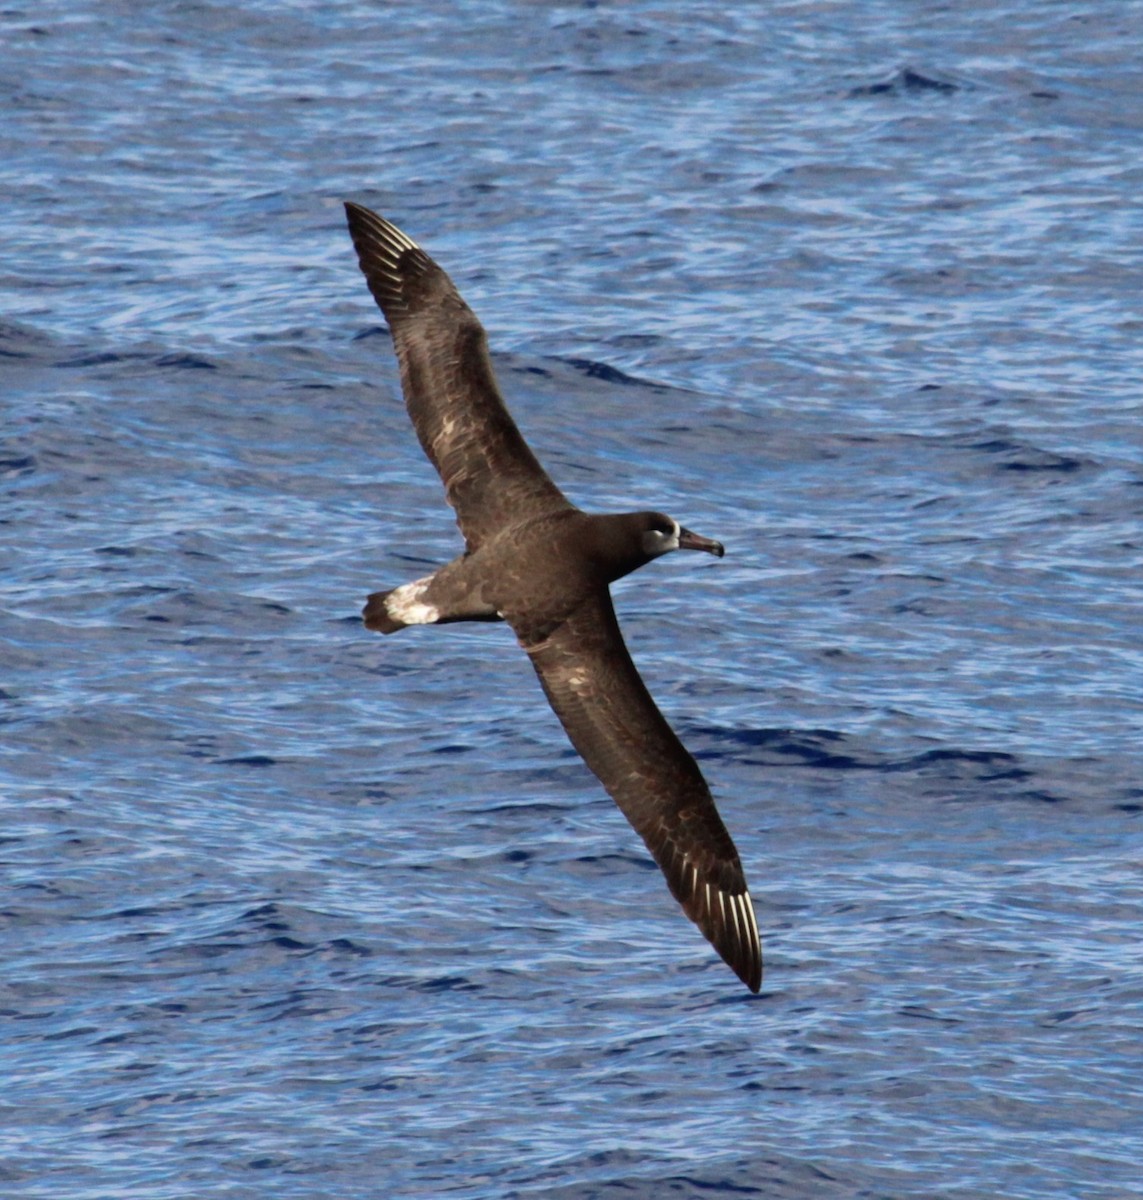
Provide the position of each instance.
(613, 722)
(489, 472)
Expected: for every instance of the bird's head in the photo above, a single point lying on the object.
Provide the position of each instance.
(662, 534)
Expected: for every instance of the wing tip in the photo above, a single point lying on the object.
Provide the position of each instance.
(750, 941)
(745, 960)
(752, 977)
(371, 226)
(727, 921)
(390, 260)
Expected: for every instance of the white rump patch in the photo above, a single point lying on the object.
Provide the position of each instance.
(404, 604)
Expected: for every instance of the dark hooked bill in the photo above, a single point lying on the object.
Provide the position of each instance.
(694, 541)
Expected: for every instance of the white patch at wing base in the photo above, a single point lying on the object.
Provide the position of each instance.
(404, 603)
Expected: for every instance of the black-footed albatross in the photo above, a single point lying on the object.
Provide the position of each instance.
(536, 561)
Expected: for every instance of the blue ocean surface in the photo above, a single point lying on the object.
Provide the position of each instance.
(291, 910)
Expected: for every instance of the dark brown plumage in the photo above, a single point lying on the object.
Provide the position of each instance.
(536, 561)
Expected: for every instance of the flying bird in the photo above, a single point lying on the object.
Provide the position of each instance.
(536, 561)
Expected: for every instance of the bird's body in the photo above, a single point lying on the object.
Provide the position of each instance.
(536, 561)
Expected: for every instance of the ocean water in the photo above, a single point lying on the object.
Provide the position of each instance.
(291, 910)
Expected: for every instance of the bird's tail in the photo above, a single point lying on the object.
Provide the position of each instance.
(377, 617)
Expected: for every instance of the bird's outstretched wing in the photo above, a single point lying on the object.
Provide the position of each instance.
(613, 722)
(489, 472)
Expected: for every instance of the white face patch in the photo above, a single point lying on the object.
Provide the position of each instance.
(656, 542)
(404, 604)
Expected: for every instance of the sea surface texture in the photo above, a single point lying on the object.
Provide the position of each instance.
(290, 910)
